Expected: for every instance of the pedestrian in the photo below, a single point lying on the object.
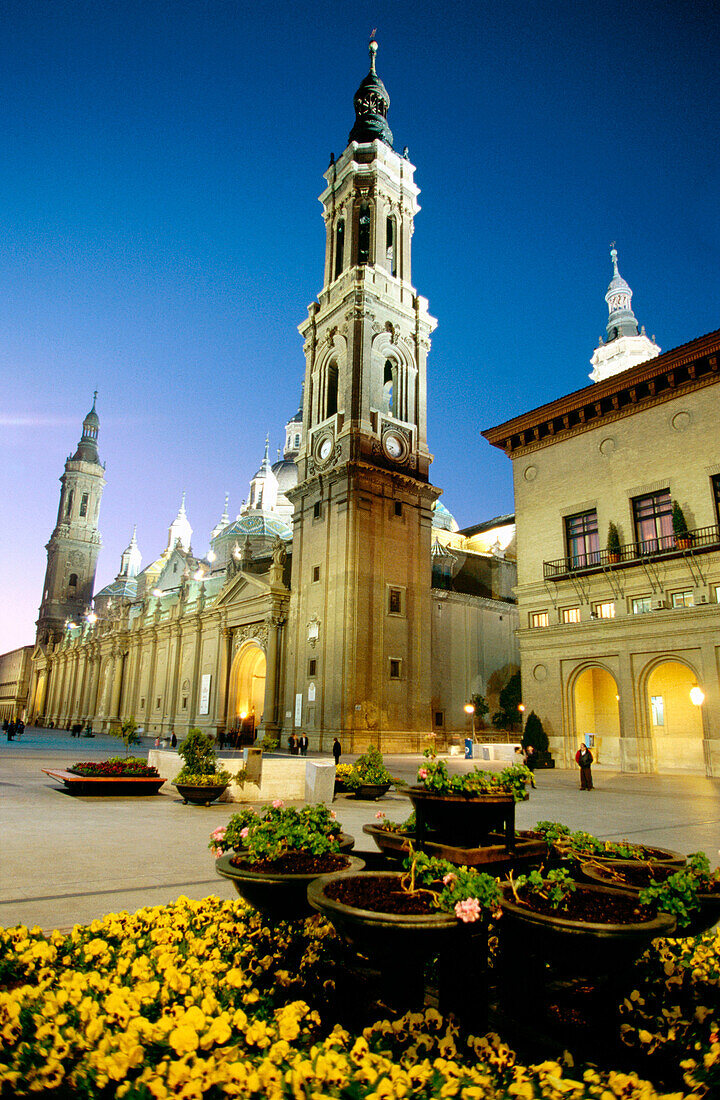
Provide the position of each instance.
(530, 759)
(157, 742)
(584, 759)
(292, 744)
(303, 744)
(221, 740)
(173, 740)
(336, 750)
(20, 730)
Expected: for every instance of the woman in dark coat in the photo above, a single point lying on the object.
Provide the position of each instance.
(584, 759)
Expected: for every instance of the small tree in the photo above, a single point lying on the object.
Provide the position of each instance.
(534, 734)
(679, 523)
(481, 707)
(128, 733)
(508, 715)
(198, 752)
(613, 539)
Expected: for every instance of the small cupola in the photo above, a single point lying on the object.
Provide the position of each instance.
(371, 107)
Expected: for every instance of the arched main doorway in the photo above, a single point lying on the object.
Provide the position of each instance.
(597, 713)
(247, 687)
(674, 721)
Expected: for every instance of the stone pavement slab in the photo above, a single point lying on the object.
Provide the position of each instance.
(67, 860)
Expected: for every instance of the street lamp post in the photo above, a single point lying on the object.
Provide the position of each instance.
(470, 711)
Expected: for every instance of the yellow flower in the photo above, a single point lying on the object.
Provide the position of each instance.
(183, 1039)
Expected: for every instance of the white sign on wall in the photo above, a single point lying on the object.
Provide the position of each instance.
(205, 693)
(311, 693)
(298, 710)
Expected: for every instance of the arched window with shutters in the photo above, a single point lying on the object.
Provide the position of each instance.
(72, 582)
(364, 234)
(339, 247)
(68, 506)
(331, 399)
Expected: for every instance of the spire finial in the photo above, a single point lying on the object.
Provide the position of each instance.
(134, 539)
(182, 502)
(372, 49)
(614, 257)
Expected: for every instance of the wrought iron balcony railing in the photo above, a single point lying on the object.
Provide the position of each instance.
(699, 541)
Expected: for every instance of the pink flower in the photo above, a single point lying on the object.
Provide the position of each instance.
(277, 803)
(244, 832)
(423, 773)
(380, 815)
(333, 815)
(468, 910)
(449, 879)
(219, 833)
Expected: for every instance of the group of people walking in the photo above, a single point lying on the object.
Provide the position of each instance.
(13, 729)
(298, 745)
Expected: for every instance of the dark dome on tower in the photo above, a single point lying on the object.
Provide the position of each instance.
(87, 447)
(371, 107)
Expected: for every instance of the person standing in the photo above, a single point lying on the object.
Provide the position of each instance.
(303, 743)
(292, 744)
(173, 740)
(584, 759)
(336, 750)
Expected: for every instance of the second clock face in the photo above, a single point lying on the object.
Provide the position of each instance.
(393, 445)
(325, 449)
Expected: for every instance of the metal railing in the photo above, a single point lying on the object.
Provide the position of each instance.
(698, 541)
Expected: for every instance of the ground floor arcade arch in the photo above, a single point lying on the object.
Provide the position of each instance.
(596, 712)
(674, 721)
(246, 697)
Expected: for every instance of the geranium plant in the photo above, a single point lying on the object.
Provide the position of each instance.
(583, 845)
(281, 829)
(406, 827)
(464, 891)
(232, 835)
(556, 887)
(434, 776)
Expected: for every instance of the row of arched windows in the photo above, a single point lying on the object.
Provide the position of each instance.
(364, 239)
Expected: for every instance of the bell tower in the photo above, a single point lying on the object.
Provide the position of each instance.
(359, 660)
(75, 543)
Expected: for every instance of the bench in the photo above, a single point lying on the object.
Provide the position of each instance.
(106, 784)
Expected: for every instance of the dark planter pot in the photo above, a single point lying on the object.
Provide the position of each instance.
(392, 845)
(463, 820)
(279, 897)
(200, 796)
(400, 944)
(370, 792)
(702, 920)
(652, 855)
(577, 947)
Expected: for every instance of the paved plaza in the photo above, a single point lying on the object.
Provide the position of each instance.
(67, 860)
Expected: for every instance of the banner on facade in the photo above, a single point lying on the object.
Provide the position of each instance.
(205, 693)
(298, 710)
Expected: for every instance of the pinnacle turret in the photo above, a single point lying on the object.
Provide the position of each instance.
(87, 450)
(371, 106)
(624, 345)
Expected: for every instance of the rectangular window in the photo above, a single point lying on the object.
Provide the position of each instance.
(539, 618)
(604, 610)
(570, 615)
(581, 539)
(641, 604)
(84, 504)
(184, 702)
(157, 705)
(658, 710)
(683, 599)
(142, 704)
(398, 507)
(653, 522)
(395, 665)
(312, 666)
(717, 593)
(716, 495)
(316, 510)
(316, 573)
(395, 601)
(439, 718)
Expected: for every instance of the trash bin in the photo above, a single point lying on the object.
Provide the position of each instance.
(468, 748)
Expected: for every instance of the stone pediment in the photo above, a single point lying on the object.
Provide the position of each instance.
(243, 586)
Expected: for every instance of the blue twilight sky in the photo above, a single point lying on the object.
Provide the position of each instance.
(161, 238)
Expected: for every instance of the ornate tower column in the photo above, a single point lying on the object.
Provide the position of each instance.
(359, 664)
(75, 543)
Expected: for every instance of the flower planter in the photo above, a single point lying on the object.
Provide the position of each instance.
(651, 855)
(400, 944)
(463, 820)
(346, 843)
(393, 845)
(578, 946)
(278, 896)
(106, 785)
(200, 796)
(702, 920)
(370, 792)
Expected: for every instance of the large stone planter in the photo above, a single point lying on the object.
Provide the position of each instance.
(463, 820)
(701, 920)
(370, 792)
(278, 896)
(200, 795)
(393, 845)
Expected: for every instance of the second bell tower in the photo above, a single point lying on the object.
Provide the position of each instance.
(359, 655)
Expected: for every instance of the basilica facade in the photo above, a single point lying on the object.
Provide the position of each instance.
(342, 600)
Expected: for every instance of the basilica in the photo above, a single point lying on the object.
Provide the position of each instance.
(342, 600)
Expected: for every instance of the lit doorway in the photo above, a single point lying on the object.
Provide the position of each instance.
(597, 714)
(247, 688)
(674, 720)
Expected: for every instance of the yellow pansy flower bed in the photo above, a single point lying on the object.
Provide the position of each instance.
(201, 999)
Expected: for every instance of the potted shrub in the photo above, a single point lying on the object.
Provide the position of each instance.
(402, 919)
(369, 778)
(690, 893)
(342, 775)
(284, 850)
(535, 738)
(232, 837)
(463, 809)
(199, 780)
(613, 543)
(683, 537)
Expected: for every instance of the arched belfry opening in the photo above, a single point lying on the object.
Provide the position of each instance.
(331, 397)
(339, 247)
(246, 697)
(390, 388)
(364, 223)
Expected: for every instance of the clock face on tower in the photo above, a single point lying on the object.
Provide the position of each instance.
(324, 449)
(394, 445)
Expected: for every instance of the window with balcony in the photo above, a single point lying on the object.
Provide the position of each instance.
(605, 610)
(641, 605)
(683, 599)
(716, 495)
(653, 522)
(581, 539)
(570, 615)
(539, 618)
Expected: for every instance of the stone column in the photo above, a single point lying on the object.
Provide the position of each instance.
(270, 719)
(174, 665)
(222, 668)
(195, 682)
(116, 686)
